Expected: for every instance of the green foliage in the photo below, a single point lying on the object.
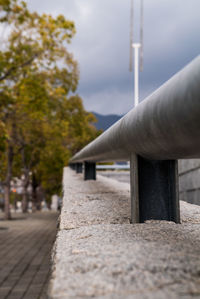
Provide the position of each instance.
(81, 130)
(38, 119)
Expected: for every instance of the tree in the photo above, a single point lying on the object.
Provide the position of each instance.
(71, 130)
(36, 44)
(81, 129)
(42, 125)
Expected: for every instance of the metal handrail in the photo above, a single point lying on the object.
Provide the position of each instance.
(113, 167)
(152, 136)
(166, 125)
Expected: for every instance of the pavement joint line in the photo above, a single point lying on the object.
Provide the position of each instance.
(12, 241)
(34, 275)
(17, 238)
(19, 261)
(24, 272)
(8, 222)
(32, 261)
(45, 285)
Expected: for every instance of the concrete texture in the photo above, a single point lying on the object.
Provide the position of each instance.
(121, 176)
(189, 180)
(99, 254)
(188, 165)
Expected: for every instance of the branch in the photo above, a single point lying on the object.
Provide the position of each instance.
(12, 69)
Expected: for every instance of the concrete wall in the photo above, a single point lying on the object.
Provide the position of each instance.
(189, 180)
(99, 254)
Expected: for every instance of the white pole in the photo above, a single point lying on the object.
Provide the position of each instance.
(136, 73)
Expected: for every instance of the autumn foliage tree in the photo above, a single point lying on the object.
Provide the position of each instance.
(41, 126)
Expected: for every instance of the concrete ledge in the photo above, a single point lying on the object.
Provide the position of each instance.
(188, 165)
(98, 254)
(189, 180)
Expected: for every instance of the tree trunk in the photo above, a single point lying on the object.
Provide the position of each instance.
(34, 193)
(25, 202)
(7, 182)
(40, 197)
(7, 202)
(25, 181)
(25, 192)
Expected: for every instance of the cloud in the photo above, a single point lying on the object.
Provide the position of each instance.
(101, 46)
(102, 101)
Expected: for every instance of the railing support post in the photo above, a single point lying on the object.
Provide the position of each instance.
(135, 217)
(89, 171)
(72, 166)
(154, 190)
(79, 167)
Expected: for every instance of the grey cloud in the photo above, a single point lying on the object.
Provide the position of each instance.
(101, 46)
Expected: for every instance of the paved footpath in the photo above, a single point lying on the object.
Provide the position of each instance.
(25, 252)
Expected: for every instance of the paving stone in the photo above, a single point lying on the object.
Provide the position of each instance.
(22, 257)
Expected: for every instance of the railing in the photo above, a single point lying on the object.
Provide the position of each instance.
(113, 167)
(161, 129)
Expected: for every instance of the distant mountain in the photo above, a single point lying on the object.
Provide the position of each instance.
(105, 121)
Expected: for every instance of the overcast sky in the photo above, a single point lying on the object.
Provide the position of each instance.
(101, 46)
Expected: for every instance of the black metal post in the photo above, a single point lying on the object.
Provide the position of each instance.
(79, 167)
(89, 171)
(73, 166)
(154, 190)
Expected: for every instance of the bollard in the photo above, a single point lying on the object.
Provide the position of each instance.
(154, 190)
(73, 166)
(89, 171)
(79, 167)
